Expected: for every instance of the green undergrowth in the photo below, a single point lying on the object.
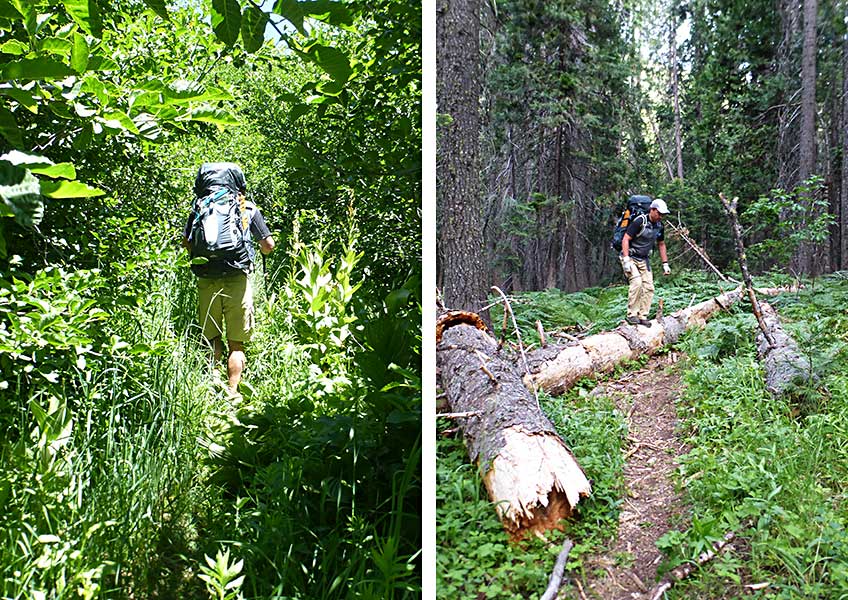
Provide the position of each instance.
(600, 309)
(773, 470)
(128, 473)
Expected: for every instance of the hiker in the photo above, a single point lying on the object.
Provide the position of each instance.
(216, 235)
(636, 247)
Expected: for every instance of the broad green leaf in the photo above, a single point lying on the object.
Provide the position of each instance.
(210, 114)
(79, 53)
(20, 193)
(56, 45)
(122, 119)
(332, 60)
(22, 97)
(15, 47)
(40, 165)
(35, 68)
(298, 110)
(86, 14)
(158, 7)
(9, 127)
(226, 20)
(292, 12)
(8, 11)
(69, 189)
(253, 24)
(334, 13)
(102, 63)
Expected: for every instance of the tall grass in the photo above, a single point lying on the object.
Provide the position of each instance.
(125, 470)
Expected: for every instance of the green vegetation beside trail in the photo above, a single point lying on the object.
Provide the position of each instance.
(125, 471)
(772, 470)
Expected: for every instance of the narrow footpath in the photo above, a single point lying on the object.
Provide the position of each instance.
(651, 507)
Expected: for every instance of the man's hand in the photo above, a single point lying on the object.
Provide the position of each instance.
(666, 269)
(627, 263)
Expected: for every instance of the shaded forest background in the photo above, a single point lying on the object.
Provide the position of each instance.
(580, 104)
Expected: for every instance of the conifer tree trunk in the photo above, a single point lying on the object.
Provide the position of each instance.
(843, 212)
(678, 145)
(460, 269)
(787, 143)
(803, 260)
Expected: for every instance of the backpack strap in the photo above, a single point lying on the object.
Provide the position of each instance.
(644, 222)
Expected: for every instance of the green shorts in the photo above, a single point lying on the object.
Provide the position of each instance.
(225, 300)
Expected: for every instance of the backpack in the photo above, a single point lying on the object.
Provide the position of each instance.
(219, 232)
(636, 205)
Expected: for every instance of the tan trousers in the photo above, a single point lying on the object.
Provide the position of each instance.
(641, 292)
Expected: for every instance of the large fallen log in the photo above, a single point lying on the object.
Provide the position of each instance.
(785, 366)
(556, 368)
(531, 476)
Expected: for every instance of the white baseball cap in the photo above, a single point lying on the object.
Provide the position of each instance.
(660, 205)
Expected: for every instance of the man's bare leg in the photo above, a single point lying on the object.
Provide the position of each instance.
(235, 365)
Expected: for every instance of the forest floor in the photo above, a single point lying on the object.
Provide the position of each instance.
(627, 569)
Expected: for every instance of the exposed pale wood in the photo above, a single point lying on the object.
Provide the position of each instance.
(532, 478)
(558, 367)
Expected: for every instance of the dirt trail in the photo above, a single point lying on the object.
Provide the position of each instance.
(651, 507)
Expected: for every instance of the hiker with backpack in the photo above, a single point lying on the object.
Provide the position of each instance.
(638, 229)
(218, 235)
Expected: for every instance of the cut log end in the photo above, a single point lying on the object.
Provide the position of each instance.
(535, 482)
(457, 317)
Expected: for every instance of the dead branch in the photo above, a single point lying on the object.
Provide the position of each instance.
(730, 209)
(559, 569)
(702, 254)
(458, 415)
(508, 307)
(541, 331)
(686, 569)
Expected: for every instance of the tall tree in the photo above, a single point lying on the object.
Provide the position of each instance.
(803, 260)
(460, 269)
(675, 93)
(843, 210)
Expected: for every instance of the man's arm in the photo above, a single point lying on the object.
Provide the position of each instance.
(625, 245)
(661, 248)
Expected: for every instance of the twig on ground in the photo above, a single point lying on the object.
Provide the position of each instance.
(458, 415)
(559, 569)
(686, 569)
(580, 590)
(541, 331)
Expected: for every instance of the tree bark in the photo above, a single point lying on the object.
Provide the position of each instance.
(804, 259)
(461, 272)
(555, 369)
(532, 478)
(785, 367)
(678, 145)
(843, 213)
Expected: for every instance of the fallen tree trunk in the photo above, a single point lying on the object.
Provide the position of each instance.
(531, 476)
(556, 368)
(785, 366)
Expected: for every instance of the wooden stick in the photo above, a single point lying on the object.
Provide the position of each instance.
(508, 307)
(541, 331)
(686, 569)
(458, 415)
(730, 209)
(702, 254)
(559, 569)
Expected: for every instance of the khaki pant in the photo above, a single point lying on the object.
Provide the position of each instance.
(225, 300)
(641, 292)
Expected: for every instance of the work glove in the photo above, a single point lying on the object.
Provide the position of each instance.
(627, 264)
(666, 269)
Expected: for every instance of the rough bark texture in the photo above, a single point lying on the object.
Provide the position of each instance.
(532, 478)
(843, 213)
(787, 144)
(805, 260)
(557, 367)
(785, 366)
(460, 207)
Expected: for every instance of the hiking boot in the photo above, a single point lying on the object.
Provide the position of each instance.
(633, 320)
(645, 322)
